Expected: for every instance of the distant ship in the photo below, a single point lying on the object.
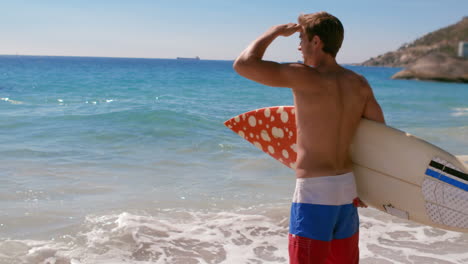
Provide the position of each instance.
(182, 58)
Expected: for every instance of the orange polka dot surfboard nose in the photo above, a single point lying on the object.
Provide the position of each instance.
(271, 129)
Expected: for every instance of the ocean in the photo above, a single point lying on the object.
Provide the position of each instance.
(119, 160)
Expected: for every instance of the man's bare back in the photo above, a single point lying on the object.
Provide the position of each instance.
(329, 107)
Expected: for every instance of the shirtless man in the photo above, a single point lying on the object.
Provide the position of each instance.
(330, 101)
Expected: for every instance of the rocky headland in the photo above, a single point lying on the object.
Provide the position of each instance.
(436, 67)
(431, 57)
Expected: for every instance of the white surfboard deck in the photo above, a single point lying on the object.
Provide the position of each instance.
(395, 172)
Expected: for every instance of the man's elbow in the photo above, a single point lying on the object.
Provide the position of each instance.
(381, 117)
(241, 66)
(376, 115)
(379, 120)
(237, 65)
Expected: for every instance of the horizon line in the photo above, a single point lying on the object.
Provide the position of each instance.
(142, 58)
(89, 56)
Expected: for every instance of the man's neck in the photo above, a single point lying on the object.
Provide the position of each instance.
(326, 63)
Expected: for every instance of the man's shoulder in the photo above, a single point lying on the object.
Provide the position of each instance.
(355, 78)
(300, 74)
(300, 67)
(352, 74)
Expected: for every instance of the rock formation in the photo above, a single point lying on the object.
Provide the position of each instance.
(436, 67)
(431, 57)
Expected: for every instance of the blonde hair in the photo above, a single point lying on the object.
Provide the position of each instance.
(327, 27)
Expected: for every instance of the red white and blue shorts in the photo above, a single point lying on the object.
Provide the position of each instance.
(324, 223)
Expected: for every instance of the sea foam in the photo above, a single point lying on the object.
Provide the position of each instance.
(460, 111)
(252, 235)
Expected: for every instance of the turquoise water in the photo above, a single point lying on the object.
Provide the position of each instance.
(117, 138)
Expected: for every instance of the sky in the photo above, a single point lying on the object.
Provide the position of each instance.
(211, 29)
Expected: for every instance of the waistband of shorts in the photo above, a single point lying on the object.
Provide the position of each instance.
(326, 190)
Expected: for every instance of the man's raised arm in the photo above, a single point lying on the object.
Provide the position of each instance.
(250, 63)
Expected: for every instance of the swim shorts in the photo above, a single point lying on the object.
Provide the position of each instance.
(324, 223)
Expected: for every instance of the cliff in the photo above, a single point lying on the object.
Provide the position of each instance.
(442, 41)
(431, 57)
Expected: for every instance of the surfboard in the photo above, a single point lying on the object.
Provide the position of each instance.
(395, 172)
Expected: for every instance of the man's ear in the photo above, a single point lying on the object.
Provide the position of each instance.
(316, 40)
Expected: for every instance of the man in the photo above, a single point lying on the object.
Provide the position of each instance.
(330, 101)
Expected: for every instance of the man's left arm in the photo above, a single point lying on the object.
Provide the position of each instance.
(250, 63)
